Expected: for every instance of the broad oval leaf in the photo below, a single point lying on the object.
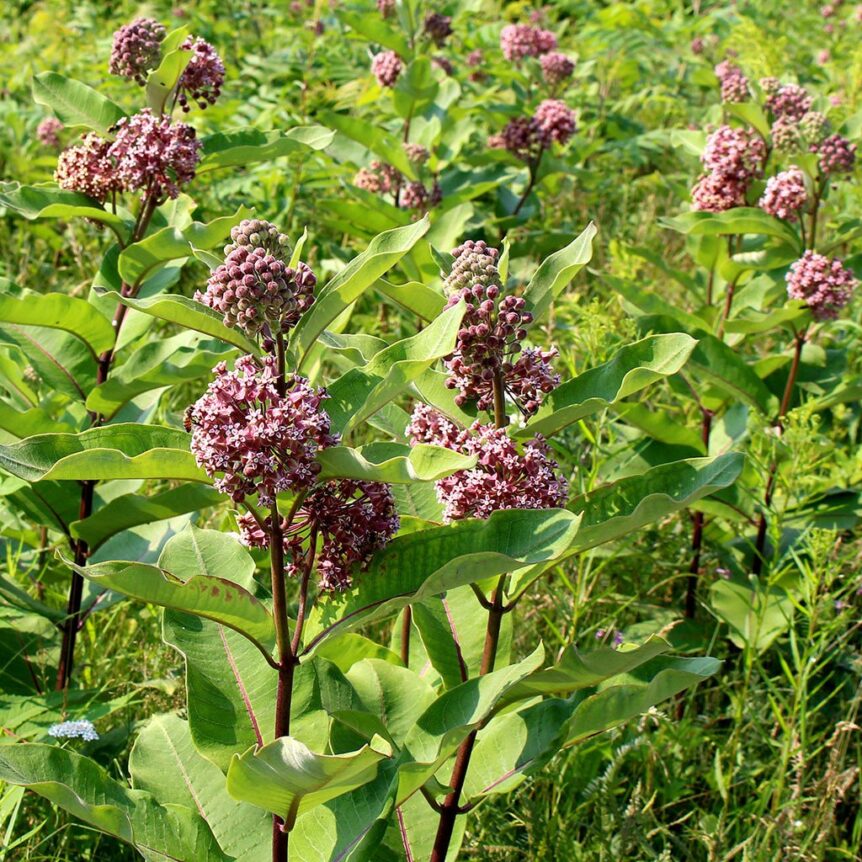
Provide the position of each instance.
(248, 146)
(630, 369)
(76, 104)
(395, 463)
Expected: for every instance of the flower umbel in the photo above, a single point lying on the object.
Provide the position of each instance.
(137, 49)
(784, 194)
(203, 78)
(823, 283)
(262, 442)
(81, 728)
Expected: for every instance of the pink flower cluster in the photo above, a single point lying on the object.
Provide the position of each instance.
(734, 85)
(837, 155)
(137, 49)
(814, 126)
(48, 132)
(386, 67)
(152, 153)
(259, 440)
(556, 68)
(733, 158)
(791, 101)
(417, 153)
(785, 134)
(203, 78)
(784, 194)
(523, 40)
(823, 283)
(505, 476)
(491, 333)
(87, 168)
(552, 121)
(257, 291)
(379, 178)
(438, 27)
(350, 519)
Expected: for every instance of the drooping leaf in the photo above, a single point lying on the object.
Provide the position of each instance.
(286, 778)
(58, 311)
(122, 451)
(631, 369)
(216, 599)
(210, 553)
(429, 562)
(48, 200)
(395, 463)
(189, 314)
(74, 103)
(77, 784)
(739, 220)
(130, 510)
(756, 613)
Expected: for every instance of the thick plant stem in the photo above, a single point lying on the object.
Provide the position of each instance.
(534, 175)
(496, 609)
(760, 540)
(406, 623)
(73, 620)
(697, 532)
(451, 809)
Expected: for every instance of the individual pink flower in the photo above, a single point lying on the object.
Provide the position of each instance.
(556, 68)
(153, 154)
(87, 168)
(734, 85)
(48, 132)
(261, 442)
(736, 154)
(137, 49)
(790, 101)
(506, 476)
(837, 155)
(716, 193)
(823, 283)
(203, 78)
(386, 67)
(523, 40)
(554, 121)
(784, 194)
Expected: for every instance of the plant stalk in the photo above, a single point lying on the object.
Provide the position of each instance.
(760, 541)
(73, 621)
(697, 532)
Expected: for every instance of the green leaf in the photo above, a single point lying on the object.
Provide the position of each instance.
(286, 778)
(617, 510)
(58, 311)
(208, 552)
(122, 451)
(395, 463)
(751, 113)
(162, 82)
(556, 272)
(740, 220)
(217, 599)
(189, 314)
(629, 370)
(231, 687)
(76, 104)
(383, 252)
(415, 297)
(48, 200)
(361, 392)
(248, 146)
(577, 670)
(426, 563)
(374, 28)
(619, 703)
(165, 763)
(756, 612)
(86, 791)
(131, 510)
(138, 260)
(383, 144)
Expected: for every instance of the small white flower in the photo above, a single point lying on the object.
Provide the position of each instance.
(81, 729)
